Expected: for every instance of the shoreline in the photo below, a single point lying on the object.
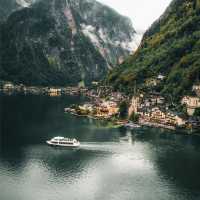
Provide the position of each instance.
(78, 91)
(173, 130)
(122, 123)
(157, 125)
(11, 89)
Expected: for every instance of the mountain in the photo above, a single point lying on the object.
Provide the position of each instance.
(6, 8)
(9, 6)
(169, 49)
(59, 42)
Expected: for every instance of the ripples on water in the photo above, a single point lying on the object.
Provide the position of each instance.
(107, 170)
(111, 164)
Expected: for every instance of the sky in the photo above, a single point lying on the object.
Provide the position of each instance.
(142, 12)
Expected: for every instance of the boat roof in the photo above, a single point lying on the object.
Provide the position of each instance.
(63, 138)
(58, 138)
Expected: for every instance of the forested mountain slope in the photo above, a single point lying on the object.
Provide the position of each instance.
(59, 42)
(171, 48)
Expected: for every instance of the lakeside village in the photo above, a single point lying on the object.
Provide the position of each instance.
(147, 109)
(141, 109)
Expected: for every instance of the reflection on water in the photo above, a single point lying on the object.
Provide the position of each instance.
(127, 137)
(110, 163)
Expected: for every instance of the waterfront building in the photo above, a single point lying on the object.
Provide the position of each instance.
(8, 86)
(109, 107)
(180, 121)
(191, 103)
(54, 91)
(87, 107)
(161, 117)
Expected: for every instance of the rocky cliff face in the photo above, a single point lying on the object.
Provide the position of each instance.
(170, 48)
(62, 42)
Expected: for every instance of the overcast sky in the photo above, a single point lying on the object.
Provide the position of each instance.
(142, 12)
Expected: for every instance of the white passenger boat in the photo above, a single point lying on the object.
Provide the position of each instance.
(63, 142)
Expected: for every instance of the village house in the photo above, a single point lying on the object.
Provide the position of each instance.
(141, 104)
(160, 100)
(191, 103)
(116, 97)
(103, 109)
(180, 121)
(120, 60)
(151, 82)
(54, 91)
(34, 90)
(87, 107)
(196, 89)
(152, 101)
(95, 83)
(166, 118)
(8, 86)
(161, 77)
(108, 108)
(147, 103)
(157, 115)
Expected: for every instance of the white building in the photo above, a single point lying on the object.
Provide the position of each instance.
(8, 86)
(161, 77)
(195, 87)
(191, 103)
(135, 103)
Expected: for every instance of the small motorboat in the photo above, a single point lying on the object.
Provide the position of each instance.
(63, 142)
(132, 125)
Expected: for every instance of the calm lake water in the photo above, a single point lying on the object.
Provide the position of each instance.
(111, 164)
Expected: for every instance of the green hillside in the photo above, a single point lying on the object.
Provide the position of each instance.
(171, 47)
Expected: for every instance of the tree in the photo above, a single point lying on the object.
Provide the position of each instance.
(134, 117)
(197, 113)
(123, 110)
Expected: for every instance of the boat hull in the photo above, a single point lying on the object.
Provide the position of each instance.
(63, 145)
(135, 126)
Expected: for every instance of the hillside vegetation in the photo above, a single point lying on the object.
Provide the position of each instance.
(171, 47)
(60, 42)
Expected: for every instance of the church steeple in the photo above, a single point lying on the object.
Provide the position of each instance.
(68, 3)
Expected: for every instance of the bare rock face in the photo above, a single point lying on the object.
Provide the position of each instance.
(59, 42)
(9, 6)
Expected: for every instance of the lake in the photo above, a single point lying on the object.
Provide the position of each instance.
(111, 164)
